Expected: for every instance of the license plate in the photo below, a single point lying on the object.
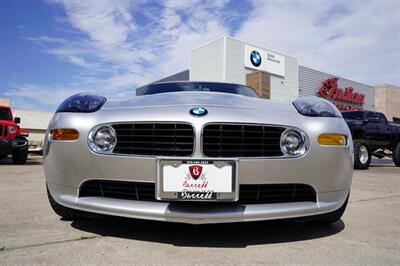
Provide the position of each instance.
(197, 180)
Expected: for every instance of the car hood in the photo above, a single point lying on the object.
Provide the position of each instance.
(203, 99)
(221, 107)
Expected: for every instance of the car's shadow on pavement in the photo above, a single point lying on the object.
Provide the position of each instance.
(234, 235)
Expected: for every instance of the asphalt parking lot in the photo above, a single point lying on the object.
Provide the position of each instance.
(30, 233)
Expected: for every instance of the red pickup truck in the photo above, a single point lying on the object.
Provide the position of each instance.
(13, 139)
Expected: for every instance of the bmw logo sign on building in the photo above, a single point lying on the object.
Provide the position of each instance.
(255, 58)
(198, 111)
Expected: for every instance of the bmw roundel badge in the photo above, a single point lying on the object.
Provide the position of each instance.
(255, 58)
(198, 111)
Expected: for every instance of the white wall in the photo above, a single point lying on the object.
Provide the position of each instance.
(36, 122)
(235, 71)
(286, 88)
(32, 119)
(206, 62)
(310, 81)
(223, 60)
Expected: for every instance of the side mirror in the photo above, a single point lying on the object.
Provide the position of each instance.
(17, 120)
(373, 119)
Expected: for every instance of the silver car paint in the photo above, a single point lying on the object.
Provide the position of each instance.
(328, 169)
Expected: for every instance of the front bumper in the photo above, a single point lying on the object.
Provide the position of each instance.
(6, 146)
(198, 213)
(328, 172)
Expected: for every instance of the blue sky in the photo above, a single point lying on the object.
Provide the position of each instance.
(52, 49)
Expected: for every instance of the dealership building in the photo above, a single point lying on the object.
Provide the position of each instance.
(279, 77)
(272, 74)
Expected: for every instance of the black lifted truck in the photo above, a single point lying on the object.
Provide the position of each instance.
(374, 136)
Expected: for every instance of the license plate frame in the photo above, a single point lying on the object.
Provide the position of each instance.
(163, 195)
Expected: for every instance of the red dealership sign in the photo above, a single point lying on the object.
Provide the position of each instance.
(330, 90)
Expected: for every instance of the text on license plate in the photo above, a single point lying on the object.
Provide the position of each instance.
(198, 179)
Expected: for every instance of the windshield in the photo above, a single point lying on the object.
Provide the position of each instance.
(5, 114)
(353, 115)
(199, 86)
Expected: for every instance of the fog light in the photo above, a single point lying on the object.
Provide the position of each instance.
(102, 139)
(294, 142)
(332, 139)
(64, 134)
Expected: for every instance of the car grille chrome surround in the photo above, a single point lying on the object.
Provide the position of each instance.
(241, 140)
(248, 194)
(154, 139)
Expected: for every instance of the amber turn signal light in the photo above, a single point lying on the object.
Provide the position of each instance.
(332, 139)
(64, 134)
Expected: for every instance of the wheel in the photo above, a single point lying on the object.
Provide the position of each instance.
(19, 156)
(64, 212)
(362, 155)
(396, 155)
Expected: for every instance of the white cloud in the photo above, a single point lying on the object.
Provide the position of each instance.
(107, 22)
(28, 95)
(119, 45)
(117, 52)
(356, 40)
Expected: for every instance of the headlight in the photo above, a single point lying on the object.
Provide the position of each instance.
(294, 142)
(317, 107)
(102, 139)
(12, 129)
(82, 103)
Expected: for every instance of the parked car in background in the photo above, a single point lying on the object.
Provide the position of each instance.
(373, 135)
(13, 139)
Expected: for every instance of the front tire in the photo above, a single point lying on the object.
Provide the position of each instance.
(396, 155)
(19, 156)
(64, 212)
(362, 155)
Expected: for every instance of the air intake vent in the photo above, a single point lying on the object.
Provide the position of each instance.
(118, 190)
(276, 193)
(249, 194)
(160, 139)
(235, 140)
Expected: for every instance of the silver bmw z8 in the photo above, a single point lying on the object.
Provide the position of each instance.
(199, 152)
